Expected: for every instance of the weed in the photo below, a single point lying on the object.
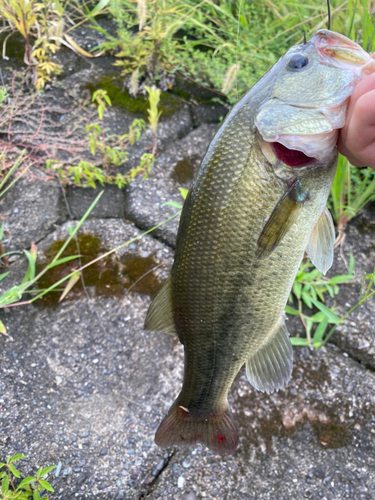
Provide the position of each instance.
(109, 152)
(3, 95)
(153, 113)
(77, 148)
(28, 488)
(145, 38)
(101, 98)
(309, 289)
(41, 23)
(351, 190)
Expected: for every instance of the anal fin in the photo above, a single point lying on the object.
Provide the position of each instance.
(321, 242)
(270, 368)
(160, 313)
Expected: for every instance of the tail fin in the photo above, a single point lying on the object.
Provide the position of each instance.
(218, 431)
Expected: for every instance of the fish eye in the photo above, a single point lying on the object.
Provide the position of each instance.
(297, 62)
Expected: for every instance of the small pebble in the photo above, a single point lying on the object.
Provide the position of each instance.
(131, 452)
(134, 474)
(146, 444)
(67, 471)
(190, 495)
(181, 482)
(186, 464)
(58, 469)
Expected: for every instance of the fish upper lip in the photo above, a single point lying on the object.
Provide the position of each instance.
(337, 46)
(324, 39)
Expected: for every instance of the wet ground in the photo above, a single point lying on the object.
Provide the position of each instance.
(83, 386)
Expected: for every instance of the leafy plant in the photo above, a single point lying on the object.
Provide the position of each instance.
(367, 291)
(102, 99)
(109, 152)
(28, 488)
(41, 23)
(153, 113)
(309, 289)
(351, 190)
(3, 95)
(78, 149)
(145, 38)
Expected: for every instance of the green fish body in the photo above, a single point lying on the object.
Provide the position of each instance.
(256, 205)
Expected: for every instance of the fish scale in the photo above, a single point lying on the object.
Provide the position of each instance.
(245, 225)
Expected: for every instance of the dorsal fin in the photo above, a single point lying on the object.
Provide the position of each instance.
(160, 313)
(321, 242)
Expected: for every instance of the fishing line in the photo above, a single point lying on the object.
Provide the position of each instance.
(329, 15)
(238, 31)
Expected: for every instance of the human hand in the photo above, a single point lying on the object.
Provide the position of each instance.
(357, 138)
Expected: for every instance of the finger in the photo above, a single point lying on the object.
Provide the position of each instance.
(364, 111)
(357, 141)
(363, 87)
(366, 85)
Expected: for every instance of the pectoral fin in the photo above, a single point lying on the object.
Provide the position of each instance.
(284, 215)
(270, 368)
(160, 314)
(321, 242)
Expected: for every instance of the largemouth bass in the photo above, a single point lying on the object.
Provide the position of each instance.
(257, 203)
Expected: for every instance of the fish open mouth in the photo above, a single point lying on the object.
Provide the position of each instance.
(291, 157)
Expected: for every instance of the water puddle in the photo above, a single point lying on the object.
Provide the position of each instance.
(109, 277)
